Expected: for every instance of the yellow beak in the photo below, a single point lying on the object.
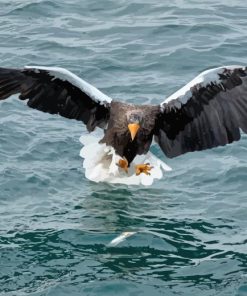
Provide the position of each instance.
(133, 128)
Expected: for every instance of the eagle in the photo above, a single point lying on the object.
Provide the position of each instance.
(209, 111)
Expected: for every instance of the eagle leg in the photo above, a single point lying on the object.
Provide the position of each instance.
(143, 168)
(123, 164)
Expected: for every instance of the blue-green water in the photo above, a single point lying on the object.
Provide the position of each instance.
(55, 224)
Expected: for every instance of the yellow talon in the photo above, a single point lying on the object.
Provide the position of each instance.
(123, 164)
(143, 168)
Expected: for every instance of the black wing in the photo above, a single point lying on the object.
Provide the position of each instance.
(57, 91)
(208, 112)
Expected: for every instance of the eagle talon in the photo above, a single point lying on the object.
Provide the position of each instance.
(143, 168)
(123, 164)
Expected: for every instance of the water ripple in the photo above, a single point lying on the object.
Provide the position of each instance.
(55, 226)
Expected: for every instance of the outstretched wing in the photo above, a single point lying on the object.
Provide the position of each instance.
(207, 112)
(57, 91)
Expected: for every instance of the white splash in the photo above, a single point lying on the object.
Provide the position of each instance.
(100, 164)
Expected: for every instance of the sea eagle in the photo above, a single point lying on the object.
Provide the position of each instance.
(207, 112)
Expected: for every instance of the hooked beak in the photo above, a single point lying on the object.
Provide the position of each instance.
(133, 128)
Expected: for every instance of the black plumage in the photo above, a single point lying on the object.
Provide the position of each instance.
(208, 112)
(211, 116)
(47, 93)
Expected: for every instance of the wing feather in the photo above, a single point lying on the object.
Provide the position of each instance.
(57, 91)
(208, 112)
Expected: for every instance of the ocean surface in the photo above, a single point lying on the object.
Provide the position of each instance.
(55, 225)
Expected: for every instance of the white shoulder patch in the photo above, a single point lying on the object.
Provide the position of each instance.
(66, 75)
(205, 78)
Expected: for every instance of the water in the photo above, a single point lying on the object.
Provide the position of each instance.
(54, 224)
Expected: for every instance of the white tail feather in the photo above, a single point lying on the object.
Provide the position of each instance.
(100, 163)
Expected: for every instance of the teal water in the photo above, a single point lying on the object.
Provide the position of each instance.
(55, 224)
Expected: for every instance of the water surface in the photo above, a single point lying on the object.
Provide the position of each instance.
(55, 224)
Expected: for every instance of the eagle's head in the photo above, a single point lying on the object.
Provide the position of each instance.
(134, 120)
